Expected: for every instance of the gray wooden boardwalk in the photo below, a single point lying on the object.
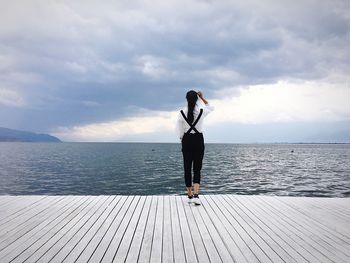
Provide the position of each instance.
(225, 228)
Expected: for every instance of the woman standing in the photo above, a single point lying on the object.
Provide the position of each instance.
(189, 128)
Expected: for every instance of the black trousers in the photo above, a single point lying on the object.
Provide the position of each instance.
(193, 153)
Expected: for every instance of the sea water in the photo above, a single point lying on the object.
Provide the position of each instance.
(157, 168)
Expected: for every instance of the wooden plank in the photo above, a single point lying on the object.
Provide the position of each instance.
(26, 221)
(18, 208)
(209, 245)
(35, 253)
(20, 202)
(207, 217)
(331, 208)
(74, 245)
(29, 239)
(199, 246)
(264, 241)
(135, 247)
(225, 228)
(321, 214)
(123, 249)
(263, 231)
(25, 228)
(16, 201)
(275, 229)
(6, 200)
(85, 238)
(311, 239)
(330, 240)
(277, 221)
(146, 246)
(39, 238)
(157, 244)
(94, 243)
(343, 203)
(119, 234)
(190, 252)
(250, 238)
(246, 244)
(310, 205)
(333, 205)
(167, 253)
(178, 246)
(232, 239)
(52, 254)
(104, 243)
(314, 222)
(230, 244)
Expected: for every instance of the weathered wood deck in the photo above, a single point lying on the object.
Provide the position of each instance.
(225, 228)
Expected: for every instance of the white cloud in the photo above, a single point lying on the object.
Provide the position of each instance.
(152, 66)
(284, 101)
(11, 98)
(145, 123)
(221, 75)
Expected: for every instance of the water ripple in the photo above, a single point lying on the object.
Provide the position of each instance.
(145, 168)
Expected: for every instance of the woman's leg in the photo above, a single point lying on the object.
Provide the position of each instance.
(187, 170)
(197, 162)
(188, 160)
(189, 191)
(196, 188)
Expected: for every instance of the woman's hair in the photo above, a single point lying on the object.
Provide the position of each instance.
(191, 97)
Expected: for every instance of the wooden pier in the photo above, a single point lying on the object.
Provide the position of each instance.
(225, 228)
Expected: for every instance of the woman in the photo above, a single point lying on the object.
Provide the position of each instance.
(189, 128)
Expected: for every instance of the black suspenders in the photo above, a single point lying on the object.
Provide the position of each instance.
(194, 124)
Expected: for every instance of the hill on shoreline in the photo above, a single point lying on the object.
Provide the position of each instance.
(10, 135)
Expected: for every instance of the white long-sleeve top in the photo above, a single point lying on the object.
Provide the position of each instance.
(182, 126)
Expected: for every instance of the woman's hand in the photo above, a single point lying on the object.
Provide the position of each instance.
(200, 95)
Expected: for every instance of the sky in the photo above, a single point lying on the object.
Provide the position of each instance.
(105, 71)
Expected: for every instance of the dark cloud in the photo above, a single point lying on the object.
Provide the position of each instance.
(82, 62)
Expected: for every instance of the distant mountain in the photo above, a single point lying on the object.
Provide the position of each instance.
(9, 135)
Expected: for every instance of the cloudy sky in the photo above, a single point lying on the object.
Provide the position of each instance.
(275, 71)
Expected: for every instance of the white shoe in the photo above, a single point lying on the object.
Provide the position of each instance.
(190, 198)
(196, 200)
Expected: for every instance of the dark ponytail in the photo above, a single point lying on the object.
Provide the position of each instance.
(191, 97)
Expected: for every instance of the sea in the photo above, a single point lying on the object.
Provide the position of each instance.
(315, 170)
